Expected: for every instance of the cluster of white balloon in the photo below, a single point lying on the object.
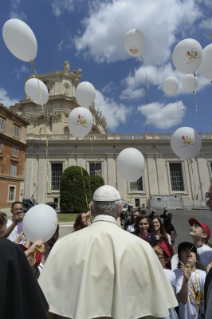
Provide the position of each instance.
(188, 57)
(41, 220)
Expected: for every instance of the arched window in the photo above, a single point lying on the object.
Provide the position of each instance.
(66, 130)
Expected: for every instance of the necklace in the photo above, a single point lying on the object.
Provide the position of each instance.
(196, 295)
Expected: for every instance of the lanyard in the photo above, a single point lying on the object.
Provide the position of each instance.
(196, 292)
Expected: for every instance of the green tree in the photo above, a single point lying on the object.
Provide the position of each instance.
(75, 193)
(96, 181)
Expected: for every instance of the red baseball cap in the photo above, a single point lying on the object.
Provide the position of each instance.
(167, 248)
(193, 221)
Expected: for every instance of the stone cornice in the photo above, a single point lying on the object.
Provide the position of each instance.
(13, 141)
(13, 179)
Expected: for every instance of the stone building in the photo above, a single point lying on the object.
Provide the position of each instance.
(12, 156)
(167, 180)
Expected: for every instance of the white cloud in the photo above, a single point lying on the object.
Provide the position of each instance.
(160, 21)
(163, 116)
(5, 99)
(14, 12)
(115, 113)
(135, 82)
(18, 15)
(18, 71)
(59, 6)
(109, 87)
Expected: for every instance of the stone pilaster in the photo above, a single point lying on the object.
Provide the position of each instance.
(152, 175)
(42, 187)
(111, 170)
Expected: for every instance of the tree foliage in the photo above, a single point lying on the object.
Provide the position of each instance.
(75, 194)
(96, 181)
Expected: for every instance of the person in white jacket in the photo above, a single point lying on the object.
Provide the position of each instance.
(103, 271)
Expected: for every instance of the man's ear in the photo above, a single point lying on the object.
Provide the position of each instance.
(91, 209)
(120, 209)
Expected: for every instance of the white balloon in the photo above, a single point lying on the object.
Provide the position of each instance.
(20, 40)
(134, 42)
(35, 88)
(187, 56)
(190, 83)
(171, 85)
(85, 94)
(80, 122)
(40, 222)
(130, 164)
(205, 68)
(186, 142)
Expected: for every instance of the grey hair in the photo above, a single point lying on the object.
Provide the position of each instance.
(111, 208)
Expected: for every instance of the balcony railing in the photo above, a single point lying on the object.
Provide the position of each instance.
(94, 137)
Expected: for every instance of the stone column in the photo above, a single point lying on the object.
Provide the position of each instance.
(28, 189)
(162, 175)
(203, 175)
(71, 161)
(111, 172)
(152, 175)
(194, 179)
(42, 180)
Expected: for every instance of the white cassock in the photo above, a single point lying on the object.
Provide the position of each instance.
(104, 271)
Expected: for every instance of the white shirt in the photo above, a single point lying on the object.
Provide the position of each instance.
(131, 228)
(169, 239)
(205, 253)
(189, 310)
(175, 261)
(172, 279)
(13, 235)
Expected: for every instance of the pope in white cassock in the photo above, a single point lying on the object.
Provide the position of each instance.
(103, 271)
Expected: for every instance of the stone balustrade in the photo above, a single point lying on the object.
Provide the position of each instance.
(139, 136)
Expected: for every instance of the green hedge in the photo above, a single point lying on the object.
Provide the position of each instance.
(96, 181)
(75, 194)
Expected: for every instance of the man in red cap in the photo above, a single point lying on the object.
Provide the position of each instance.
(201, 233)
(164, 252)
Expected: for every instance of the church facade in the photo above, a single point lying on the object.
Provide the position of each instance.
(167, 180)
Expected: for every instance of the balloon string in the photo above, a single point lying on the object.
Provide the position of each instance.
(86, 198)
(46, 139)
(177, 110)
(205, 112)
(204, 20)
(196, 112)
(146, 90)
(194, 185)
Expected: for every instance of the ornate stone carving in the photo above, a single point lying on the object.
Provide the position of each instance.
(49, 84)
(78, 75)
(66, 86)
(55, 116)
(100, 119)
(66, 67)
(31, 119)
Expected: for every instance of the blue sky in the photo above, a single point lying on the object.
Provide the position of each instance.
(90, 34)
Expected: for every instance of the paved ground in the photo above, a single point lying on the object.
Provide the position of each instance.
(180, 221)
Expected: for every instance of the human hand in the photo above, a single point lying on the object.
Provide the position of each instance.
(17, 217)
(185, 270)
(37, 244)
(20, 237)
(173, 235)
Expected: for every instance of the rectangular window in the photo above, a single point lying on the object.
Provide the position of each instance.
(16, 132)
(176, 177)
(1, 124)
(15, 151)
(11, 196)
(57, 170)
(95, 169)
(137, 186)
(13, 170)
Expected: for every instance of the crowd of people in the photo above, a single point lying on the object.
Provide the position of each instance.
(119, 265)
